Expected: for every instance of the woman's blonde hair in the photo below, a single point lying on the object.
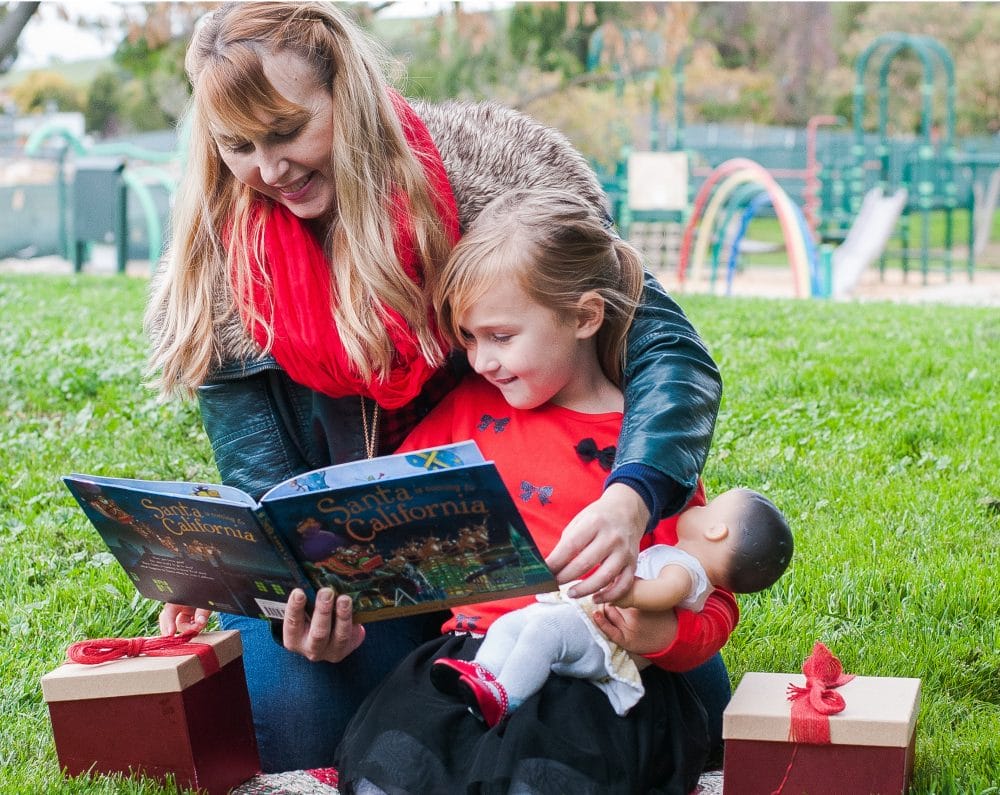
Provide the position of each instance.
(371, 162)
(557, 247)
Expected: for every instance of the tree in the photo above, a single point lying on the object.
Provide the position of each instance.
(104, 99)
(41, 90)
(13, 18)
(152, 52)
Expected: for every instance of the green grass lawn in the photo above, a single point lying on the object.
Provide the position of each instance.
(874, 426)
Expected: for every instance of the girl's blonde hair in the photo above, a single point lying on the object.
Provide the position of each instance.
(371, 163)
(557, 247)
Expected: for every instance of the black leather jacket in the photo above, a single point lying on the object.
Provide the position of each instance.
(265, 428)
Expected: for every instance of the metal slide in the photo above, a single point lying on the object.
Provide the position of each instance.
(866, 239)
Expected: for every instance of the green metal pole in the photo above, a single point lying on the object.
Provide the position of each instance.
(63, 209)
(121, 225)
(925, 199)
(971, 261)
(826, 260)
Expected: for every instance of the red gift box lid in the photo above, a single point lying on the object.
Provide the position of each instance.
(880, 711)
(134, 676)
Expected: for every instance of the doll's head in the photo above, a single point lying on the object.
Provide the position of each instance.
(740, 537)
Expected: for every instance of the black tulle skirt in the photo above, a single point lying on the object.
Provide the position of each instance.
(409, 738)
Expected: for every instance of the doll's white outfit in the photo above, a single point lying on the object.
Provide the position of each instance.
(557, 634)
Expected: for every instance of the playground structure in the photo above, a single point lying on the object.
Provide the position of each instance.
(830, 187)
(748, 187)
(867, 198)
(734, 178)
(115, 193)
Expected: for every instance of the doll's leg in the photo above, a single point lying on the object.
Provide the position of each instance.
(501, 638)
(555, 637)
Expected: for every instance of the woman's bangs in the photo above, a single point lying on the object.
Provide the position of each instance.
(238, 99)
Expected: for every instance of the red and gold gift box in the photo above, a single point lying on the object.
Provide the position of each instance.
(158, 715)
(870, 747)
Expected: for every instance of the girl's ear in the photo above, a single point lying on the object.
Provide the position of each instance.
(589, 314)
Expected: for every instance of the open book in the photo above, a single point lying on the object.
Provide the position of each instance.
(401, 534)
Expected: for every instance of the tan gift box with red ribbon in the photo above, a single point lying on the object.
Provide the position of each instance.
(157, 715)
(870, 742)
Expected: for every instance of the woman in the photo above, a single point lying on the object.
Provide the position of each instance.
(315, 213)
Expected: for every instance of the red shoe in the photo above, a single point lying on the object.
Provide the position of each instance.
(486, 698)
(446, 671)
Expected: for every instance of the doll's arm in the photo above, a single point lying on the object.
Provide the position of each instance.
(663, 592)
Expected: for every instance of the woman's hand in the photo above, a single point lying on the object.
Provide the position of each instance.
(330, 635)
(637, 631)
(178, 619)
(605, 534)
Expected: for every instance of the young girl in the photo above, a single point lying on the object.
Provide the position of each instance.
(540, 293)
(316, 210)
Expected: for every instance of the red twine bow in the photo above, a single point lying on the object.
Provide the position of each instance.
(92, 652)
(813, 704)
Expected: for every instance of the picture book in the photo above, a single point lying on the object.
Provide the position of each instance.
(401, 534)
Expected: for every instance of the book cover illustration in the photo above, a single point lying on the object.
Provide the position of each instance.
(190, 543)
(448, 536)
(401, 534)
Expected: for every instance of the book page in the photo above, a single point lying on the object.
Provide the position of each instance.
(210, 491)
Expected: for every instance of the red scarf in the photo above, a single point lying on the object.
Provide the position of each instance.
(306, 340)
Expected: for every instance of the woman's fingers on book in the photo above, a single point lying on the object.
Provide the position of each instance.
(347, 635)
(329, 634)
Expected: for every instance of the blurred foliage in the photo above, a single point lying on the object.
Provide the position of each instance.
(969, 31)
(598, 70)
(104, 99)
(43, 91)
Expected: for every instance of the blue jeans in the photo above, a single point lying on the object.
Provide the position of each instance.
(710, 681)
(300, 708)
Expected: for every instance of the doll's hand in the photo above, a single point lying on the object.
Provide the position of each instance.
(329, 635)
(178, 619)
(637, 631)
(605, 534)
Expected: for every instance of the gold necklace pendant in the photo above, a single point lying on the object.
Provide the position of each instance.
(370, 432)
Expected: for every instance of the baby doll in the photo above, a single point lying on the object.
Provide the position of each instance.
(739, 542)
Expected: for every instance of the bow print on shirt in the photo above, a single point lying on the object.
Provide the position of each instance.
(544, 492)
(498, 423)
(588, 450)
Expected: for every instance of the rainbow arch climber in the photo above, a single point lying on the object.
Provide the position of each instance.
(709, 202)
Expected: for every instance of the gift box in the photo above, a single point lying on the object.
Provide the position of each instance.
(184, 715)
(870, 746)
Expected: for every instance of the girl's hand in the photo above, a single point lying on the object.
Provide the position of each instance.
(178, 619)
(329, 635)
(604, 535)
(637, 631)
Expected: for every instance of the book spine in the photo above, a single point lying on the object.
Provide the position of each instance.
(290, 562)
